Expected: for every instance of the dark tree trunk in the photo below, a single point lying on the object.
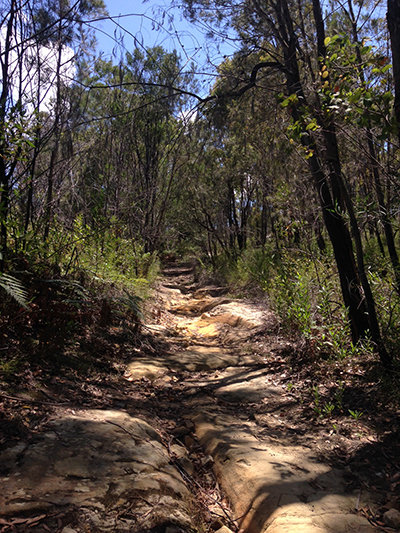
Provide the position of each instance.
(342, 199)
(383, 212)
(393, 22)
(4, 202)
(263, 223)
(54, 151)
(5, 174)
(333, 197)
(333, 219)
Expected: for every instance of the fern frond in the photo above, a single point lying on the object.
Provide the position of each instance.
(71, 285)
(15, 289)
(134, 303)
(131, 302)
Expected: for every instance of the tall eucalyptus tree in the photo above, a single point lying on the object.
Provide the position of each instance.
(37, 46)
(133, 148)
(289, 38)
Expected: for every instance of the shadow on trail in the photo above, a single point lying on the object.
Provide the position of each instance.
(268, 485)
(273, 486)
(105, 467)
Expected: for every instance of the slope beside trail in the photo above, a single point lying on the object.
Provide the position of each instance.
(195, 438)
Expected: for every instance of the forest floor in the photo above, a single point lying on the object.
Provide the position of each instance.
(212, 416)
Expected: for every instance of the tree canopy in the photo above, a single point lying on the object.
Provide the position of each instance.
(289, 165)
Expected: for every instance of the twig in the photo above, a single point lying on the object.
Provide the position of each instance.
(121, 427)
(28, 400)
(191, 480)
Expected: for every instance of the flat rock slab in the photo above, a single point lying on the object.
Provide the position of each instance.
(243, 385)
(193, 359)
(197, 358)
(210, 290)
(197, 307)
(230, 321)
(276, 489)
(105, 463)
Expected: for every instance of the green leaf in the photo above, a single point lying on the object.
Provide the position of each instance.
(388, 96)
(355, 96)
(327, 40)
(15, 289)
(312, 126)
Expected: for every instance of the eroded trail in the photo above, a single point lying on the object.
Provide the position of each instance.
(188, 413)
(273, 484)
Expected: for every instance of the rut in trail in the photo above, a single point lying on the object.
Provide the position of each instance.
(273, 484)
(189, 413)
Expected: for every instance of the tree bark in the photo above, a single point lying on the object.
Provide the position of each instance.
(5, 173)
(393, 22)
(54, 151)
(333, 197)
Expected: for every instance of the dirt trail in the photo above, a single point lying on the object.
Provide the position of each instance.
(188, 413)
(272, 484)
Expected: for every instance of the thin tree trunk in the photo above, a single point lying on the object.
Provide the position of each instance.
(5, 173)
(54, 151)
(332, 203)
(393, 22)
(342, 195)
(383, 212)
(333, 219)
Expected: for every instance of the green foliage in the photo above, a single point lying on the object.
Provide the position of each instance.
(68, 258)
(131, 303)
(317, 408)
(286, 281)
(68, 290)
(104, 254)
(338, 395)
(15, 289)
(355, 414)
(322, 410)
(304, 294)
(328, 409)
(9, 368)
(364, 104)
(388, 306)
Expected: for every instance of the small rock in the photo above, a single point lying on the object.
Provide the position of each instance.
(209, 479)
(392, 518)
(207, 461)
(180, 431)
(182, 457)
(224, 529)
(216, 524)
(187, 465)
(189, 424)
(189, 441)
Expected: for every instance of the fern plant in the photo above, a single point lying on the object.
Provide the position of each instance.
(15, 289)
(70, 286)
(133, 304)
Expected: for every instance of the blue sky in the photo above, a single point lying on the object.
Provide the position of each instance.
(143, 24)
(172, 32)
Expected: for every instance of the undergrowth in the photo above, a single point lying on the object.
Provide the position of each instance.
(302, 289)
(76, 285)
